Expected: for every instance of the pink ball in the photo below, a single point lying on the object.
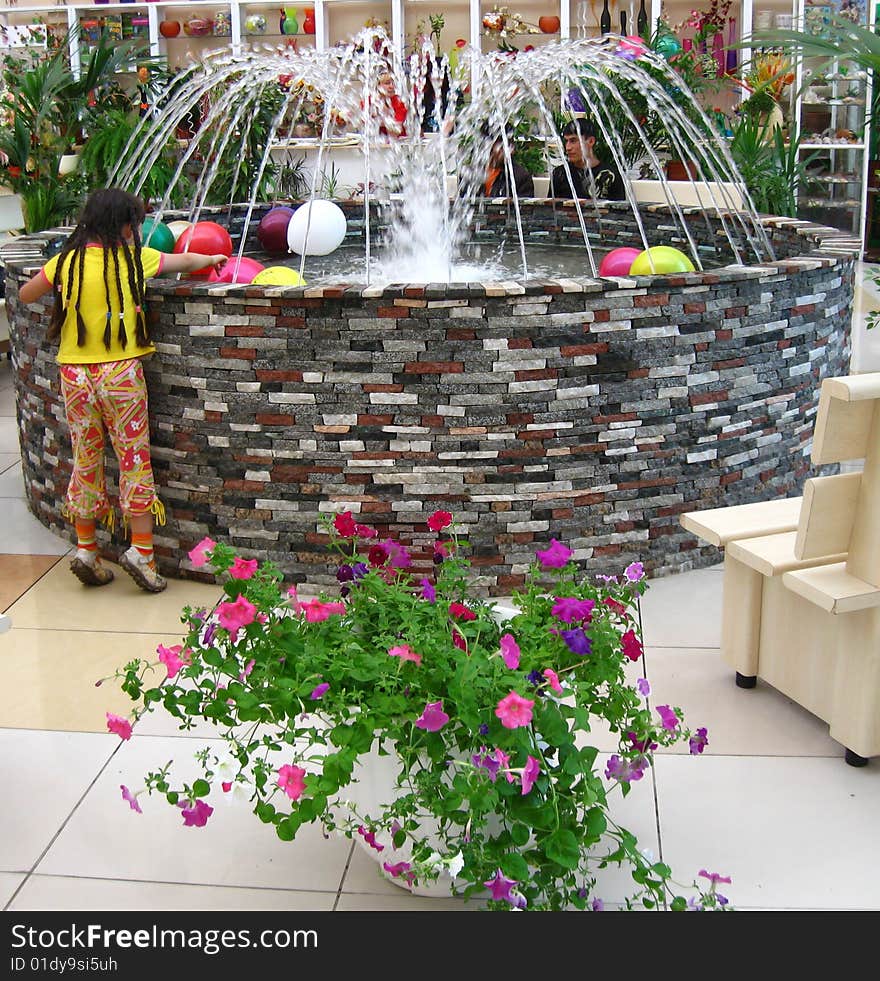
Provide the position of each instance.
(272, 230)
(618, 261)
(236, 270)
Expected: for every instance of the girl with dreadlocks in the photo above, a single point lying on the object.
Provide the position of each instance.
(98, 279)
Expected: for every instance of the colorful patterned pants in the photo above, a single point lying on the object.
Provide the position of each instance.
(109, 396)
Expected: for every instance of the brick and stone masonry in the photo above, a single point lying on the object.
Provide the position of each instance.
(592, 411)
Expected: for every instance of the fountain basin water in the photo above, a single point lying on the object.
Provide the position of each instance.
(593, 411)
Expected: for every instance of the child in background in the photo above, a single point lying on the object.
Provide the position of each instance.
(98, 279)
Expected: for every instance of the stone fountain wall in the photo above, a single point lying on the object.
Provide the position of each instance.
(591, 411)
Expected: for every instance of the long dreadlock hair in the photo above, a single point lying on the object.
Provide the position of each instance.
(104, 216)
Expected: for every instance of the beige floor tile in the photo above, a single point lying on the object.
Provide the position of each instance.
(683, 610)
(106, 839)
(48, 677)
(401, 900)
(68, 893)
(9, 458)
(9, 882)
(61, 601)
(19, 572)
(43, 775)
(791, 833)
(9, 434)
(756, 722)
(7, 401)
(24, 535)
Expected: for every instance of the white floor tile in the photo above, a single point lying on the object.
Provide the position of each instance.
(12, 483)
(24, 535)
(791, 833)
(8, 460)
(9, 434)
(68, 893)
(106, 839)
(9, 882)
(7, 401)
(683, 610)
(43, 775)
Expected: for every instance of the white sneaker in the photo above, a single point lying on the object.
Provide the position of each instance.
(143, 571)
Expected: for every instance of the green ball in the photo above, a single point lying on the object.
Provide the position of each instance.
(157, 236)
(665, 260)
(668, 45)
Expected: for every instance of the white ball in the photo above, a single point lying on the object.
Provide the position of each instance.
(178, 228)
(326, 229)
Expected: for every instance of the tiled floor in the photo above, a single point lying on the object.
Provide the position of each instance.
(771, 802)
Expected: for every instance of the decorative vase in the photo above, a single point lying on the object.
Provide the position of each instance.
(196, 27)
(255, 24)
(770, 122)
(718, 53)
(288, 23)
(308, 24)
(548, 24)
(169, 28)
(730, 67)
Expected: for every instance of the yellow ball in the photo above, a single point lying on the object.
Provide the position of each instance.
(665, 260)
(278, 276)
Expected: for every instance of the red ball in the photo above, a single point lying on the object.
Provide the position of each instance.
(618, 261)
(237, 270)
(272, 230)
(206, 238)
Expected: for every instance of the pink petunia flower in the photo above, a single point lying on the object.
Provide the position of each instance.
(197, 815)
(122, 727)
(553, 680)
(433, 718)
(295, 604)
(319, 691)
(634, 571)
(405, 653)
(439, 520)
(510, 651)
(365, 531)
(199, 555)
(243, 568)
(291, 779)
(530, 774)
(316, 611)
(370, 838)
(345, 525)
(514, 711)
(571, 610)
(246, 670)
(170, 657)
(556, 556)
(234, 616)
(667, 717)
(714, 877)
(500, 887)
(131, 798)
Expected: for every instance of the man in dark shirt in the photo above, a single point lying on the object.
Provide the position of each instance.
(591, 177)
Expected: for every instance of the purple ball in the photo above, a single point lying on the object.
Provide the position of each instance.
(272, 230)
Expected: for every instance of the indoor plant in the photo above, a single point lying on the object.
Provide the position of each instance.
(486, 717)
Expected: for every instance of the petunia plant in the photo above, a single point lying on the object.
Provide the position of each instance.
(486, 715)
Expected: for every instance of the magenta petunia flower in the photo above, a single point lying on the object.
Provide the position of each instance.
(130, 798)
(399, 870)
(714, 877)
(345, 525)
(234, 616)
(317, 611)
(504, 763)
(199, 555)
(197, 815)
(370, 838)
(553, 680)
(571, 610)
(515, 711)
(291, 779)
(428, 591)
(698, 741)
(458, 640)
(634, 571)
(439, 520)
(556, 556)
(243, 568)
(405, 653)
(624, 770)
(365, 531)
(433, 718)
(170, 657)
(631, 645)
(122, 727)
(319, 691)
(530, 774)
(667, 717)
(500, 887)
(246, 670)
(510, 651)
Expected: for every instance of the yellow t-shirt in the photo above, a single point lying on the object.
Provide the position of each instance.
(93, 306)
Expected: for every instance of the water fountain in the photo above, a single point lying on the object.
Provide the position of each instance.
(530, 403)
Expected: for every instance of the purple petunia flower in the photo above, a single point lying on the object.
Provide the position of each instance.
(667, 717)
(484, 729)
(578, 642)
(359, 570)
(535, 678)
(483, 761)
(698, 741)
(428, 591)
(624, 770)
(344, 574)
(644, 687)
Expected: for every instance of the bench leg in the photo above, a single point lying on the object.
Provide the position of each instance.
(746, 680)
(741, 617)
(854, 759)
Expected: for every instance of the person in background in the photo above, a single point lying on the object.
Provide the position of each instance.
(98, 318)
(496, 183)
(390, 107)
(592, 178)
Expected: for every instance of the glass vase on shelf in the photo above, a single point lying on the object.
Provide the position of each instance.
(642, 20)
(731, 47)
(605, 19)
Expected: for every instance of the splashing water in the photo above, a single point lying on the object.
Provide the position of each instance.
(634, 98)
